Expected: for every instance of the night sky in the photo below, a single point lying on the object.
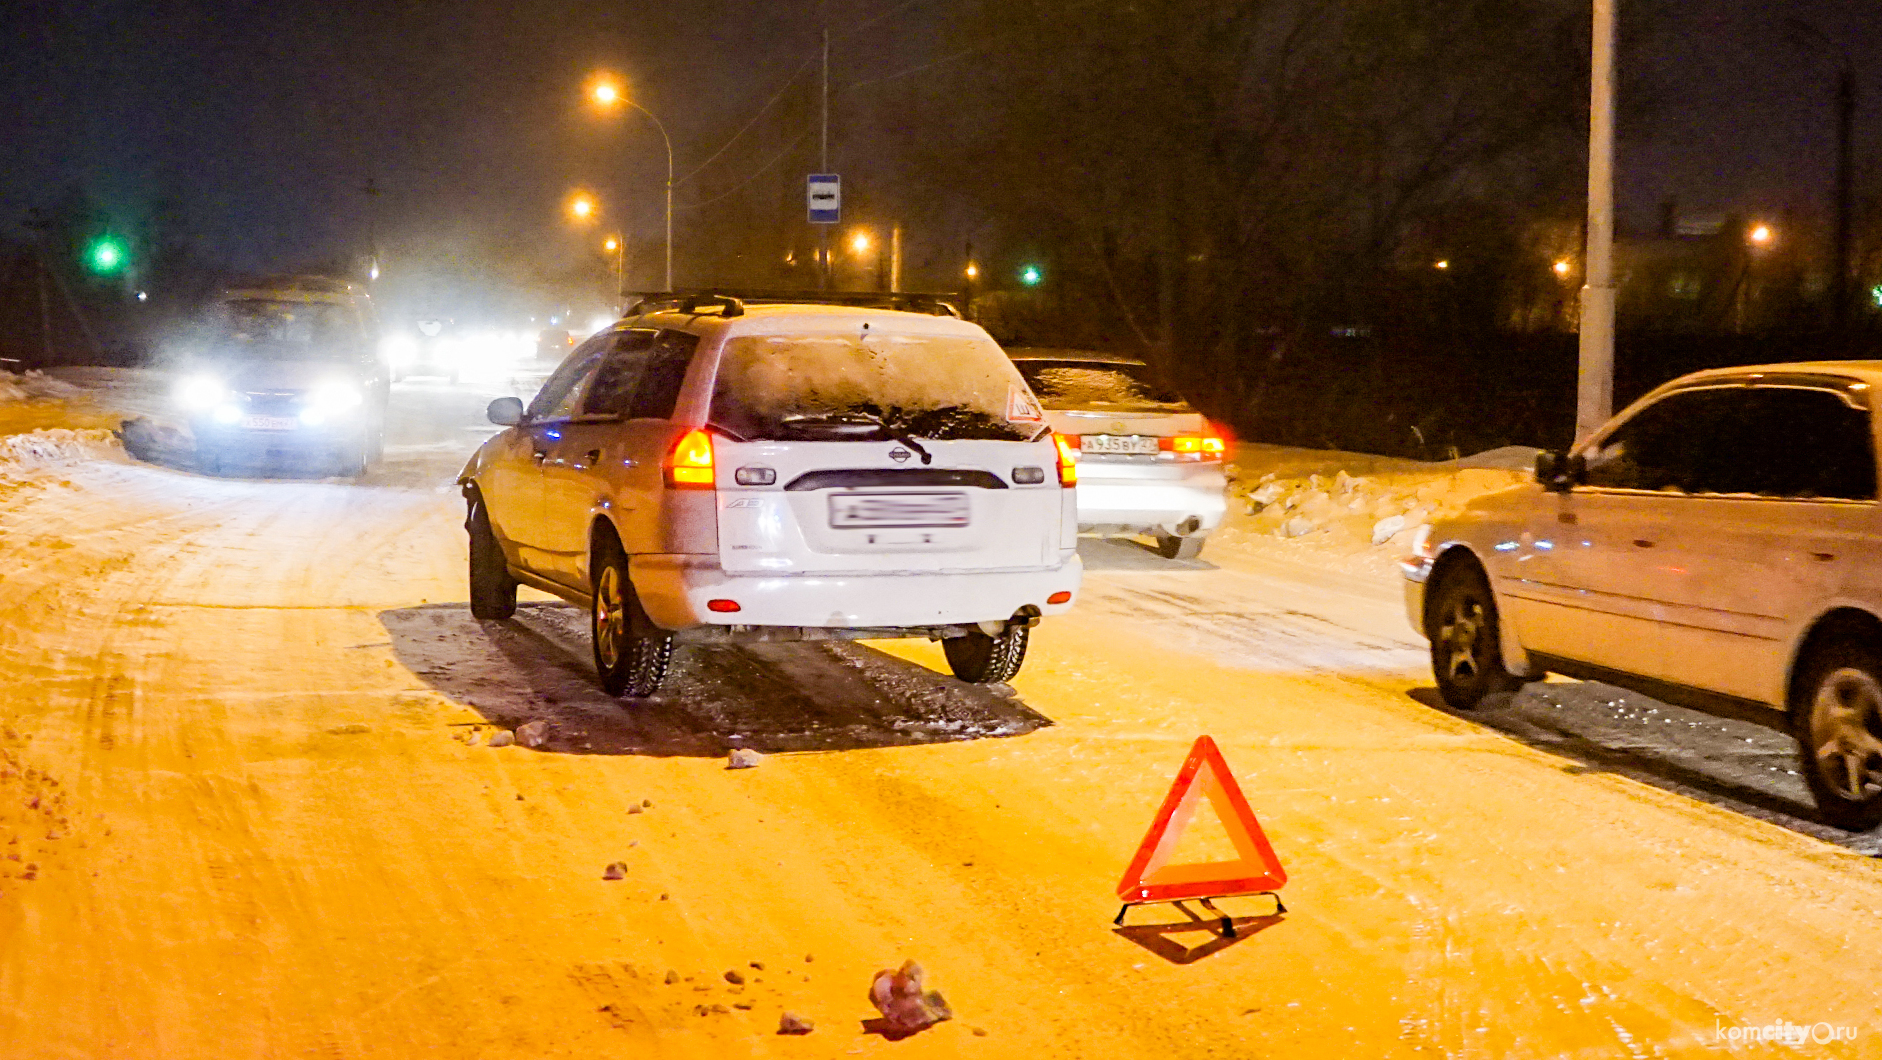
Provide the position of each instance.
(264, 119)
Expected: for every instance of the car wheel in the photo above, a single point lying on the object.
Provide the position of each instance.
(1170, 546)
(631, 653)
(492, 589)
(986, 660)
(1466, 645)
(1838, 717)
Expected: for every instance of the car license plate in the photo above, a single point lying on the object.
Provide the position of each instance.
(854, 510)
(269, 423)
(1117, 443)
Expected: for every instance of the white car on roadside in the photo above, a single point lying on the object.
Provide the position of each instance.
(1718, 544)
(1149, 463)
(711, 471)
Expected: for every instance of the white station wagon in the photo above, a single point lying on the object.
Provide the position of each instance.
(710, 471)
(1717, 544)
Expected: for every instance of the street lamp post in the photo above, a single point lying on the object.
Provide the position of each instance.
(1594, 394)
(607, 95)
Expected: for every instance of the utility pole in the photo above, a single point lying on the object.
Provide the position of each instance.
(823, 157)
(895, 257)
(1594, 395)
(1845, 122)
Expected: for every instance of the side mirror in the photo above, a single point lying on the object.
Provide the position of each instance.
(505, 411)
(1557, 472)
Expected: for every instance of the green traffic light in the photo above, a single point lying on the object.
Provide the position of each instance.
(1030, 275)
(105, 256)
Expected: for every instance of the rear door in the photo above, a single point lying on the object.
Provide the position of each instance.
(1782, 512)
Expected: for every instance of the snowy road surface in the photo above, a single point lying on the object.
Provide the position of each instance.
(248, 808)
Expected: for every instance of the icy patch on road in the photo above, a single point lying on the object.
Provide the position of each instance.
(771, 698)
(58, 445)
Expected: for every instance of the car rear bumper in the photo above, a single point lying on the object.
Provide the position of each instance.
(675, 591)
(1192, 504)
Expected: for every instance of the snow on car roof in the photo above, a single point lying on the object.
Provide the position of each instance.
(1864, 371)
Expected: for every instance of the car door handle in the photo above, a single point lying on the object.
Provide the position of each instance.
(541, 455)
(1823, 557)
(1641, 542)
(593, 456)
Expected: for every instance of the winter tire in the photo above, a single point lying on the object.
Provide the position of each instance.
(492, 589)
(631, 653)
(1169, 546)
(985, 660)
(1838, 719)
(1466, 645)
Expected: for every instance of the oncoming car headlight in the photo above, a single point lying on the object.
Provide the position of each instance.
(200, 392)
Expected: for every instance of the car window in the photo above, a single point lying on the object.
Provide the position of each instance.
(612, 389)
(558, 397)
(1072, 384)
(1787, 441)
(659, 388)
(1658, 448)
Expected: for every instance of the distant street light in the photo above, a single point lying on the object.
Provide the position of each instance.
(973, 271)
(582, 207)
(860, 242)
(1441, 265)
(1562, 269)
(606, 94)
(1760, 236)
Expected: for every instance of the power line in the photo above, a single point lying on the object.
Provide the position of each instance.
(747, 126)
(759, 172)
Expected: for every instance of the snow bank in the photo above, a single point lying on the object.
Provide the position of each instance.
(1358, 510)
(34, 385)
(58, 445)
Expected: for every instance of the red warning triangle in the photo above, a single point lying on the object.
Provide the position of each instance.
(1150, 879)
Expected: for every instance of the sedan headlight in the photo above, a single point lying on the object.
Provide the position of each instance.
(200, 392)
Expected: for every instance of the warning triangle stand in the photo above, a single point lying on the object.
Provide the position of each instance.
(1151, 879)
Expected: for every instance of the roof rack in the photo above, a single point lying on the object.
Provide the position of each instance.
(732, 301)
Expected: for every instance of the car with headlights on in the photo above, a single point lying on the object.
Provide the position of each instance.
(1149, 463)
(719, 470)
(285, 370)
(1718, 544)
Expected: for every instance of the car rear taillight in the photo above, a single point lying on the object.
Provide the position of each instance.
(689, 463)
(1068, 458)
(1194, 446)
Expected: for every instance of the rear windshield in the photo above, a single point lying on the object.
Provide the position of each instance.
(1099, 385)
(870, 387)
(278, 330)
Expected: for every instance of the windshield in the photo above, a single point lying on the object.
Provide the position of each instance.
(870, 387)
(281, 330)
(1099, 385)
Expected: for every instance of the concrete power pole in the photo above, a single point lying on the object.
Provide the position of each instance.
(1594, 397)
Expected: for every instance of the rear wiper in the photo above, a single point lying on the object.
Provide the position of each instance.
(893, 428)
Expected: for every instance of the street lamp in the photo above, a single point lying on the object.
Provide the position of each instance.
(606, 95)
(582, 206)
(1760, 236)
